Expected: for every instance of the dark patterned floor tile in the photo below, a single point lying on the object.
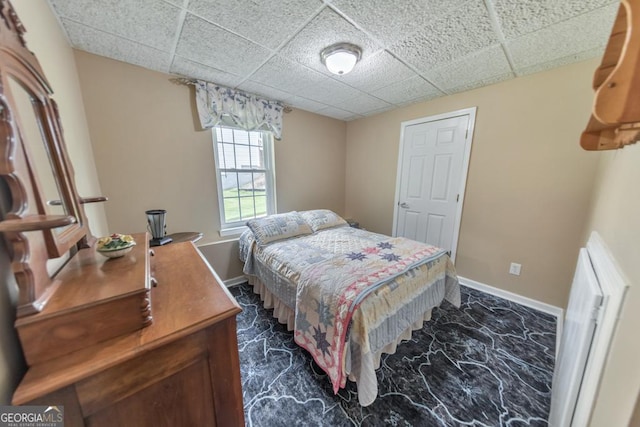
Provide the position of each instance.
(489, 363)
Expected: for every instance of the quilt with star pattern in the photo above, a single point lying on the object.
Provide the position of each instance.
(335, 270)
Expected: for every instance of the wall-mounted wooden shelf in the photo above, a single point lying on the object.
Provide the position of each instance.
(615, 119)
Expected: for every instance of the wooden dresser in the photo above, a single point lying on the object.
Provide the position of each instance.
(99, 338)
(181, 370)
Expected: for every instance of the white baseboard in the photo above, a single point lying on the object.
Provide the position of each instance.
(234, 281)
(522, 300)
(557, 312)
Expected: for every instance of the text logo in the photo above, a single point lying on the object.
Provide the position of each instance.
(31, 416)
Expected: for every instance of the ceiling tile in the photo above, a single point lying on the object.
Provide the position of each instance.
(477, 69)
(307, 104)
(325, 30)
(210, 45)
(416, 100)
(518, 17)
(268, 23)
(381, 110)
(265, 91)
(191, 69)
(319, 93)
(330, 92)
(337, 113)
(101, 43)
(559, 62)
(389, 21)
(150, 22)
(286, 75)
(350, 118)
(363, 104)
(448, 38)
(465, 86)
(376, 71)
(407, 91)
(584, 33)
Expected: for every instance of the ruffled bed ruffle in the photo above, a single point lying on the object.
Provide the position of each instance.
(360, 367)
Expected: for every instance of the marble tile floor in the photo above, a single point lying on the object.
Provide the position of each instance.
(489, 363)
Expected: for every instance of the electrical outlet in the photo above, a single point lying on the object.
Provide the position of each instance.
(515, 269)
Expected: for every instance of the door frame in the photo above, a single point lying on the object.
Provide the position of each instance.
(471, 112)
(614, 286)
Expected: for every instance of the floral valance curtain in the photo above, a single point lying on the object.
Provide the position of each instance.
(219, 105)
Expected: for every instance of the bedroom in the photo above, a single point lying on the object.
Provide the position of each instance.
(526, 156)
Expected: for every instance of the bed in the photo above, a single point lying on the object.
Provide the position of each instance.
(347, 294)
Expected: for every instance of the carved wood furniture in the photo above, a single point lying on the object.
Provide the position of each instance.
(185, 236)
(97, 299)
(98, 335)
(615, 121)
(182, 370)
(36, 168)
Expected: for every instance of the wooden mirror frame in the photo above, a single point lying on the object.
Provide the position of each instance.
(33, 236)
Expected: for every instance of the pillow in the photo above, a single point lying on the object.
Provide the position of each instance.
(320, 219)
(278, 227)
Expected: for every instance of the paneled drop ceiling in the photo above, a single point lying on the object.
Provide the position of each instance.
(413, 50)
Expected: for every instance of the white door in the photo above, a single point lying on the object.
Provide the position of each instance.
(432, 173)
(577, 334)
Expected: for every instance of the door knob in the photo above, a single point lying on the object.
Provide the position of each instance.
(404, 205)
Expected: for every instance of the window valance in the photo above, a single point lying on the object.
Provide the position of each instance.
(223, 106)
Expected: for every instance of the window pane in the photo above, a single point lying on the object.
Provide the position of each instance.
(260, 194)
(255, 138)
(240, 136)
(226, 156)
(257, 157)
(229, 182)
(247, 208)
(245, 193)
(259, 182)
(246, 183)
(243, 157)
(261, 204)
(227, 134)
(231, 210)
(231, 197)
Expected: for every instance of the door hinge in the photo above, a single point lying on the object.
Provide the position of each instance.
(457, 198)
(466, 134)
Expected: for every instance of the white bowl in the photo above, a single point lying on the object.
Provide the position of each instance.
(116, 253)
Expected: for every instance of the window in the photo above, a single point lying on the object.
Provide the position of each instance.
(245, 174)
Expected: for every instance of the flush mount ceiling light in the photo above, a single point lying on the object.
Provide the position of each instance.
(340, 58)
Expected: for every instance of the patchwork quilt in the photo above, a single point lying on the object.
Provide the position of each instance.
(334, 270)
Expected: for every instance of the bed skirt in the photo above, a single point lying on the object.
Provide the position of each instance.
(360, 365)
(281, 311)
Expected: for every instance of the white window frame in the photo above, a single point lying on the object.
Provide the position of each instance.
(237, 227)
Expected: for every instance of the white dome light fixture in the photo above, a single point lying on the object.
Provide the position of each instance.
(340, 58)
